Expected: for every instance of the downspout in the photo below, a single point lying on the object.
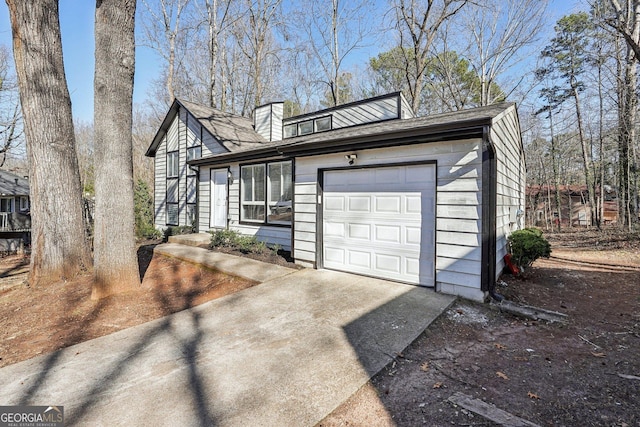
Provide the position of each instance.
(489, 189)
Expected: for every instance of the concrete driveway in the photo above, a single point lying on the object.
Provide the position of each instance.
(283, 353)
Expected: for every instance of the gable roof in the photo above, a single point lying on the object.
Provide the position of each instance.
(447, 126)
(13, 185)
(232, 131)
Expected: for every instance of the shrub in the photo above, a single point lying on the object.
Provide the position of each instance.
(143, 209)
(233, 240)
(175, 230)
(528, 245)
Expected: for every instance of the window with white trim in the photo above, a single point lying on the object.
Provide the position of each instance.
(173, 167)
(266, 191)
(24, 203)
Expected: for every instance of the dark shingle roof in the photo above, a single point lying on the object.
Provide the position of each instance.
(381, 133)
(13, 185)
(232, 131)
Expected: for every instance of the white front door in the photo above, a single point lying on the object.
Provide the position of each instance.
(219, 198)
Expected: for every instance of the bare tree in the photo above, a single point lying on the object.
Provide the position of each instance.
(11, 135)
(59, 245)
(499, 34)
(418, 23)
(255, 38)
(332, 34)
(115, 259)
(163, 30)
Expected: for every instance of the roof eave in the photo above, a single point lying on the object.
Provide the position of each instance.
(164, 127)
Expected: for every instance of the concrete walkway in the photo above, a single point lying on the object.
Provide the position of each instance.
(283, 353)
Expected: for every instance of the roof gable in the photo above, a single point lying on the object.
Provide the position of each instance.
(231, 131)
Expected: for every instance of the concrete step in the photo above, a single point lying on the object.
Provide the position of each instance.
(199, 240)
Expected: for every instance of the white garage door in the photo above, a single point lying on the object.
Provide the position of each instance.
(381, 222)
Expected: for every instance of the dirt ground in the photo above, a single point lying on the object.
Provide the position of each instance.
(34, 321)
(582, 373)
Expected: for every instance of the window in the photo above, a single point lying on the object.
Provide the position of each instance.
(323, 123)
(7, 204)
(194, 153)
(172, 213)
(305, 128)
(266, 193)
(253, 200)
(191, 214)
(173, 168)
(290, 130)
(24, 203)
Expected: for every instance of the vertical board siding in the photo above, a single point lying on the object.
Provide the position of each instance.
(458, 206)
(505, 135)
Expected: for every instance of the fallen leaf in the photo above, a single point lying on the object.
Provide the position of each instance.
(424, 367)
(502, 375)
(437, 385)
(533, 395)
(598, 354)
(500, 346)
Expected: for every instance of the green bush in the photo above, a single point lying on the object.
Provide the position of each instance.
(176, 230)
(233, 240)
(528, 245)
(143, 210)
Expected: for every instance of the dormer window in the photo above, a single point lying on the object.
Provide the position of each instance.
(305, 128)
(322, 124)
(291, 130)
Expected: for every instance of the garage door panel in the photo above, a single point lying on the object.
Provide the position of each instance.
(359, 203)
(359, 231)
(388, 263)
(360, 259)
(334, 203)
(388, 221)
(388, 233)
(388, 204)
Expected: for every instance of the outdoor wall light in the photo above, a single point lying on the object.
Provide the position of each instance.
(230, 177)
(351, 158)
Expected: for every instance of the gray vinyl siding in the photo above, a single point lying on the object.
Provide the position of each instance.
(184, 132)
(204, 200)
(269, 234)
(458, 207)
(505, 135)
(365, 112)
(160, 185)
(267, 121)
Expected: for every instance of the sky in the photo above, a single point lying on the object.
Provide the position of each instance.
(76, 21)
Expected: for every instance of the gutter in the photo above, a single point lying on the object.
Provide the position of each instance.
(489, 190)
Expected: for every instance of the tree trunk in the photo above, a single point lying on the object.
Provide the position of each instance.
(115, 260)
(59, 245)
(586, 159)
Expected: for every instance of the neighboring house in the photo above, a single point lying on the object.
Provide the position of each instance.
(15, 219)
(363, 187)
(575, 210)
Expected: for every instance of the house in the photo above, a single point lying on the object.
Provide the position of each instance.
(364, 187)
(575, 210)
(15, 219)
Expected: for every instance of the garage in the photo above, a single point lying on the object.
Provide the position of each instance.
(380, 222)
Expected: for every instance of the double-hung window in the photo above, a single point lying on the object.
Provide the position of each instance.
(173, 171)
(266, 190)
